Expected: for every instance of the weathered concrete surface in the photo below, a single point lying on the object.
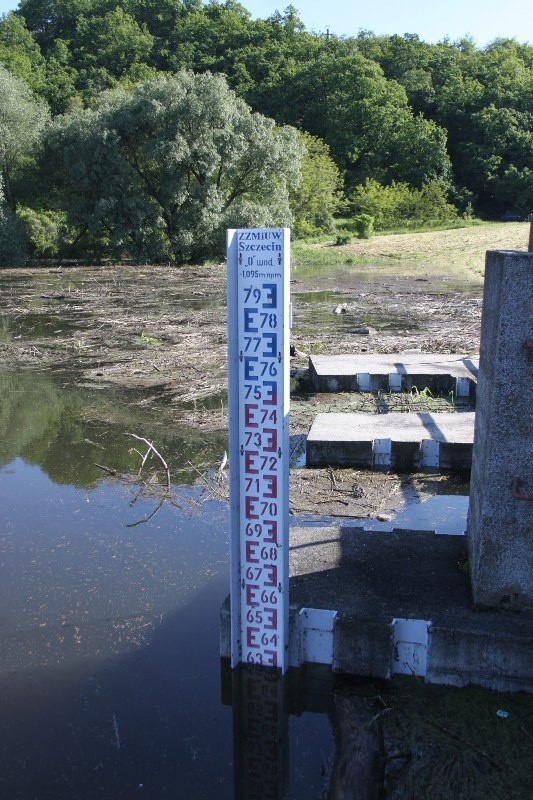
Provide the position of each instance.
(500, 526)
(373, 578)
(417, 441)
(441, 374)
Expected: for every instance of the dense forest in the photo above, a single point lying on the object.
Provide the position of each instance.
(143, 128)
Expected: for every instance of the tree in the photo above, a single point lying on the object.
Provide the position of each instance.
(317, 198)
(22, 120)
(20, 53)
(12, 236)
(345, 99)
(111, 46)
(496, 162)
(162, 171)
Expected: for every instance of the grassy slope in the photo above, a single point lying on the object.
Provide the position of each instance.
(456, 251)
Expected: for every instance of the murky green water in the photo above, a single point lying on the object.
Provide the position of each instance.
(109, 663)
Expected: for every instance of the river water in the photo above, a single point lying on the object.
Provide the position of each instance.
(110, 678)
(111, 685)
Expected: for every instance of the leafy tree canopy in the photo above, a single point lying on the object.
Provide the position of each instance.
(22, 119)
(162, 171)
(391, 108)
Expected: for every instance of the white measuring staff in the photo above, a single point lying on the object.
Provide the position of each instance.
(259, 383)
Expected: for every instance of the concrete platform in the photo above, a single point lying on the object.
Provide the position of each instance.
(398, 372)
(399, 441)
(399, 603)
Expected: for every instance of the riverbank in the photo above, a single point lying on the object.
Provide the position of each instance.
(455, 252)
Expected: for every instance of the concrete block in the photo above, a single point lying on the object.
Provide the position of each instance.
(498, 660)
(362, 646)
(441, 374)
(417, 441)
(500, 525)
(374, 580)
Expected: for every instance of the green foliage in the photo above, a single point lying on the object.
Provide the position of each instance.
(22, 120)
(363, 225)
(390, 108)
(12, 240)
(345, 99)
(317, 198)
(498, 164)
(12, 237)
(161, 172)
(20, 53)
(400, 204)
(45, 231)
(111, 47)
(342, 239)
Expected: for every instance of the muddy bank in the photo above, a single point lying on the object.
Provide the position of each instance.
(158, 334)
(163, 330)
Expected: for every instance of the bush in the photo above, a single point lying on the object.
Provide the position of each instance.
(12, 240)
(399, 205)
(45, 231)
(341, 240)
(12, 236)
(316, 199)
(363, 226)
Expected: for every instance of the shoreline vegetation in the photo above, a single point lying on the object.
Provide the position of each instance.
(453, 250)
(140, 133)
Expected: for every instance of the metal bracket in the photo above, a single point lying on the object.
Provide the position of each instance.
(410, 639)
(395, 382)
(517, 494)
(462, 387)
(311, 640)
(429, 453)
(382, 452)
(363, 381)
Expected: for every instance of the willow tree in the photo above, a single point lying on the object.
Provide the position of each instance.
(162, 171)
(22, 120)
(12, 236)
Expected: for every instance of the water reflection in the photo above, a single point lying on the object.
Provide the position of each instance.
(69, 430)
(282, 731)
(109, 635)
(260, 722)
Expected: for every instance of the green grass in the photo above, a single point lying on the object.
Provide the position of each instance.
(302, 254)
(344, 224)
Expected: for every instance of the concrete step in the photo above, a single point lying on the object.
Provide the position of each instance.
(382, 583)
(397, 603)
(400, 441)
(441, 374)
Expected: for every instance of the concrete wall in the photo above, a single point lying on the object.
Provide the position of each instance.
(500, 527)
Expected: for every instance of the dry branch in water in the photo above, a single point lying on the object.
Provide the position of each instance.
(151, 449)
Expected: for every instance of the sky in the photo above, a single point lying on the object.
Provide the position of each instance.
(484, 20)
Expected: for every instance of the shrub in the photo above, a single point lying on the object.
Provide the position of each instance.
(364, 226)
(341, 240)
(12, 240)
(399, 205)
(45, 231)
(316, 199)
(12, 236)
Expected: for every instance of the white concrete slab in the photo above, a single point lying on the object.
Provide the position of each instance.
(342, 439)
(394, 372)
